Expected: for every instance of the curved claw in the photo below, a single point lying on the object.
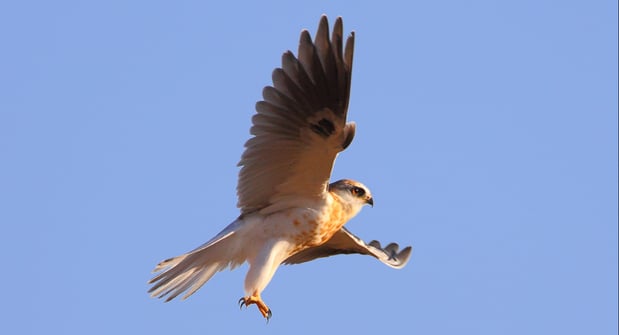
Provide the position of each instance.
(262, 307)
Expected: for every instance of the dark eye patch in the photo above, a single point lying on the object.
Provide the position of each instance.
(357, 191)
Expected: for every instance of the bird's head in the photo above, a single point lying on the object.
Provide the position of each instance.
(352, 193)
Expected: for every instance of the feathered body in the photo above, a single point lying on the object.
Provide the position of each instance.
(289, 212)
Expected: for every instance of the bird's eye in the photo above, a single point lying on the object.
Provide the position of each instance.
(357, 191)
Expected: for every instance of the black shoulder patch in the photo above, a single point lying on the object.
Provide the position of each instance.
(324, 127)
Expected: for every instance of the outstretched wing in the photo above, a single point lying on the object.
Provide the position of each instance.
(300, 126)
(344, 242)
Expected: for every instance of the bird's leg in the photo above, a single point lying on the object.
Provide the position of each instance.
(255, 299)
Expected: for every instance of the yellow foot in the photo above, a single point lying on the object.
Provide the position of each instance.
(262, 307)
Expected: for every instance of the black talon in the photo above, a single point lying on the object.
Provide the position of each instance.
(269, 315)
(241, 303)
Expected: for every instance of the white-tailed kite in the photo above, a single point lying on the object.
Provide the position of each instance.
(290, 213)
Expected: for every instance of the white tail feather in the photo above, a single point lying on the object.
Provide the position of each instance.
(188, 272)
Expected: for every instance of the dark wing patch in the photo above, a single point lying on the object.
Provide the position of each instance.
(324, 128)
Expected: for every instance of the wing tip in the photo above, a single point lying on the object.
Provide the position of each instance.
(404, 256)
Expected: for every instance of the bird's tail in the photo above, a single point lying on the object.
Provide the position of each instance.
(188, 272)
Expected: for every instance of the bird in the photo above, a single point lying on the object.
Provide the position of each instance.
(290, 212)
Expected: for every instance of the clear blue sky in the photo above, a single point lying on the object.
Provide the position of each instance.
(487, 132)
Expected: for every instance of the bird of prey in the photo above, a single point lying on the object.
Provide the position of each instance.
(290, 213)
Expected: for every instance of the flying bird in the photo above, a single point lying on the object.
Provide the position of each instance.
(290, 213)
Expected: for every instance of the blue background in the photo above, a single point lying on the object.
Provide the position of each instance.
(487, 132)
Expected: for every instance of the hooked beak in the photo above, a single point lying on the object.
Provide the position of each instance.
(370, 201)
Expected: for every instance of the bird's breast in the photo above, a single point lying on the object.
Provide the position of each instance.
(312, 228)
